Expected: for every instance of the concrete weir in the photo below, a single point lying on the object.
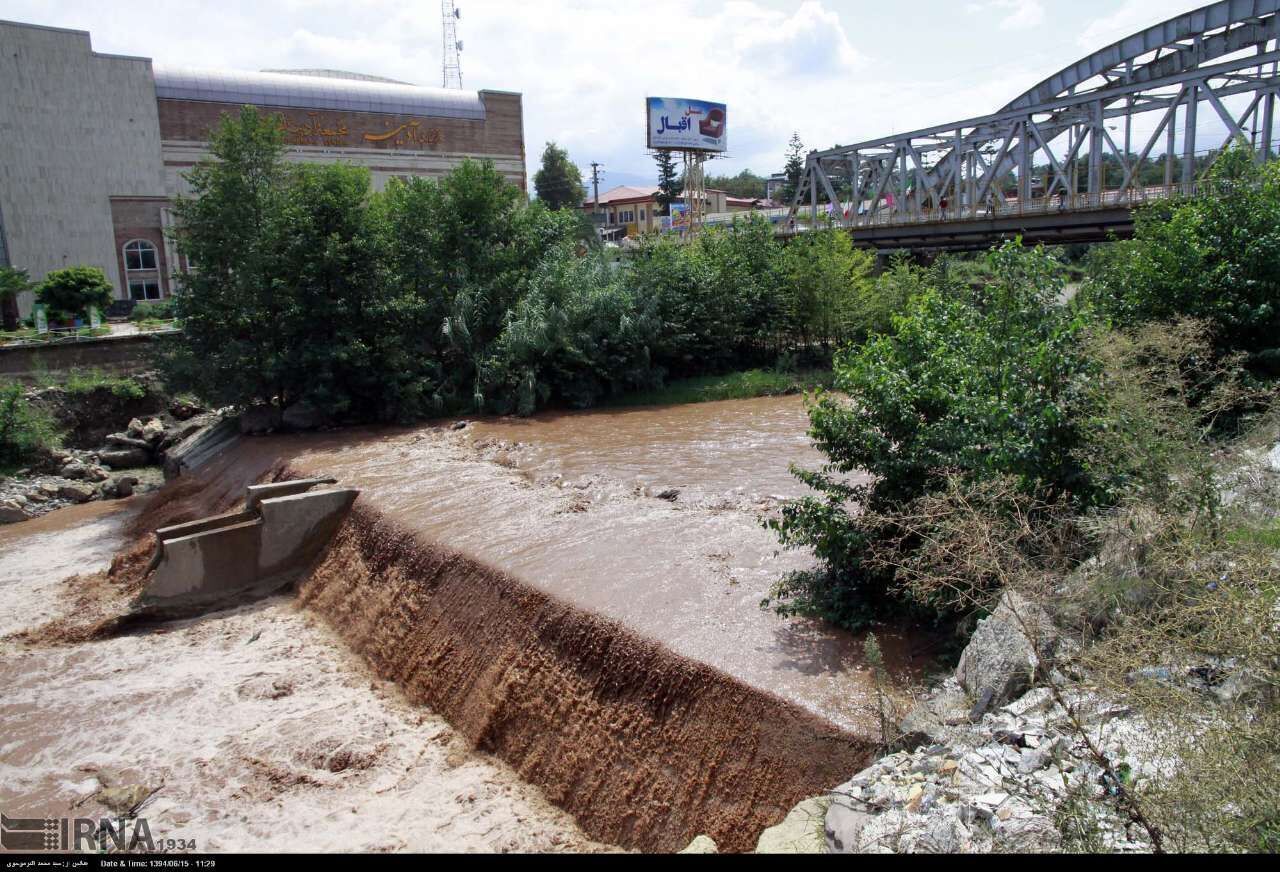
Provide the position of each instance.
(245, 554)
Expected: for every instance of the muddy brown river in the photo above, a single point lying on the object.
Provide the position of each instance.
(649, 519)
(571, 503)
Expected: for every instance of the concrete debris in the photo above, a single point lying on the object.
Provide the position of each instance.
(701, 845)
(801, 831)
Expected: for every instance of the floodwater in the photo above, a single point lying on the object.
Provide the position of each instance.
(531, 579)
(257, 727)
(573, 504)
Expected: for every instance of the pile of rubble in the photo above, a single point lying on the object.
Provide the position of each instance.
(128, 463)
(1001, 784)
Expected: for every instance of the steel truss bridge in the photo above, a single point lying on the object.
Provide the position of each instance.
(1069, 159)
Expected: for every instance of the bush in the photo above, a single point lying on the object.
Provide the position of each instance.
(976, 384)
(86, 381)
(162, 310)
(24, 432)
(71, 291)
(1214, 257)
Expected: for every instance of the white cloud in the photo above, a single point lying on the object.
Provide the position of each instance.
(1130, 17)
(1014, 15)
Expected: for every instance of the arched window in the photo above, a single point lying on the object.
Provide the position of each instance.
(139, 255)
(141, 266)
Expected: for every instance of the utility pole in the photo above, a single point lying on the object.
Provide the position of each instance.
(595, 186)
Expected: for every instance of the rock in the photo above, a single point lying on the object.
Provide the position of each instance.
(458, 425)
(12, 513)
(929, 721)
(76, 493)
(120, 488)
(670, 494)
(135, 428)
(259, 419)
(153, 431)
(843, 827)
(95, 473)
(1008, 651)
(304, 416)
(701, 845)
(74, 470)
(125, 458)
(48, 488)
(802, 831)
(1273, 458)
(184, 410)
(123, 440)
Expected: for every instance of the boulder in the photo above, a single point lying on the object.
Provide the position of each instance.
(153, 431)
(125, 458)
(184, 410)
(74, 470)
(701, 845)
(76, 493)
(304, 416)
(123, 440)
(120, 488)
(802, 831)
(11, 512)
(1007, 652)
(934, 718)
(135, 428)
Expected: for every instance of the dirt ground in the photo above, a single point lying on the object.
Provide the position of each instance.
(256, 728)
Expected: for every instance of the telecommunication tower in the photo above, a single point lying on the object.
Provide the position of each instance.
(451, 66)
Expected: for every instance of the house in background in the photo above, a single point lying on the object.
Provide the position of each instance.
(629, 211)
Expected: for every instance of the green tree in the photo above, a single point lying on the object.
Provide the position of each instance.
(71, 291)
(1214, 257)
(794, 167)
(13, 282)
(827, 277)
(559, 182)
(233, 305)
(669, 182)
(745, 184)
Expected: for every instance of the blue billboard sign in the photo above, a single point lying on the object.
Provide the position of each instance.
(686, 125)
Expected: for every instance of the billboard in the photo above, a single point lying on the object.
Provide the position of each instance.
(686, 125)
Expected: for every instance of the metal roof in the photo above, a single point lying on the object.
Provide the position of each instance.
(313, 92)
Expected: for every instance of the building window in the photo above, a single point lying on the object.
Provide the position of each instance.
(139, 255)
(641, 214)
(144, 289)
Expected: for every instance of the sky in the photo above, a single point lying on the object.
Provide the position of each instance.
(833, 71)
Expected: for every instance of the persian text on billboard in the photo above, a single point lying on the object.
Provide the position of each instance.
(687, 124)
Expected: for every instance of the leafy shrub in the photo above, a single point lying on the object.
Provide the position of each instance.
(71, 291)
(576, 337)
(161, 310)
(975, 384)
(24, 432)
(86, 381)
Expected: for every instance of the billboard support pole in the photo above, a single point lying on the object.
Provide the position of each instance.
(695, 189)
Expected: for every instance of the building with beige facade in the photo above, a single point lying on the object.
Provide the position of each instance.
(629, 210)
(94, 147)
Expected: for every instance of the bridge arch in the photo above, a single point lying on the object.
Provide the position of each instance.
(1084, 140)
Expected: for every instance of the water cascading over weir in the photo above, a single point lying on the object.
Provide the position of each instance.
(646, 747)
